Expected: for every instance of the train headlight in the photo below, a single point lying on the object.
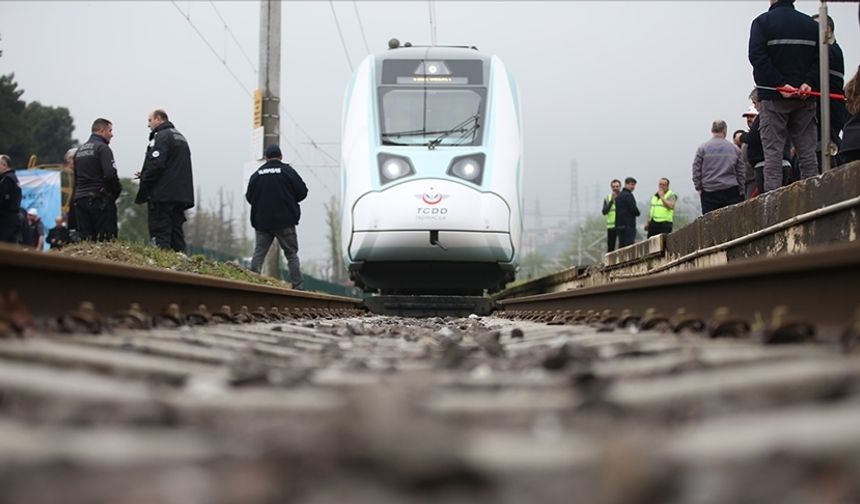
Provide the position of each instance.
(394, 167)
(470, 168)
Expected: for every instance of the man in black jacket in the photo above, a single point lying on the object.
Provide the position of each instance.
(166, 182)
(96, 185)
(10, 202)
(274, 192)
(783, 50)
(626, 212)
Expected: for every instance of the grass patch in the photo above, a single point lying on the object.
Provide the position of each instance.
(139, 254)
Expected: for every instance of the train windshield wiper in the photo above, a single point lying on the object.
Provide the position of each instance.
(463, 127)
(388, 135)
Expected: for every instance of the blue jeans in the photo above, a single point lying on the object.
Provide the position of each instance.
(289, 242)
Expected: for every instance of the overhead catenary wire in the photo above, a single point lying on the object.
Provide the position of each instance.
(223, 60)
(360, 26)
(233, 36)
(431, 7)
(340, 34)
(250, 94)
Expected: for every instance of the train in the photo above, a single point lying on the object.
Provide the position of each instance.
(431, 172)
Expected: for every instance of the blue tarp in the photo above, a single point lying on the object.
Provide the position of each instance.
(40, 189)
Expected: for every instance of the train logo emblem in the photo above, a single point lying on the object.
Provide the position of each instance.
(432, 197)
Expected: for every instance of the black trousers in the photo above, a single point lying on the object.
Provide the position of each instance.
(96, 218)
(713, 200)
(626, 236)
(165, 225)
(10, 228)
(655, 228)
(611, 239)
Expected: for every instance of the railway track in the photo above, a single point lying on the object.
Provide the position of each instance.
(326, 403)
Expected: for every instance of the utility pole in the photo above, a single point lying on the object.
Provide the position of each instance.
(270, 87)
(824, 86)
(574, 208)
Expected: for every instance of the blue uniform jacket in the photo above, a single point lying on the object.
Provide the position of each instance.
(783, 49)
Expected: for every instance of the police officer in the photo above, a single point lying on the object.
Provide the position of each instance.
(274, 192)
(10, 202)
(97, 185)
(662, 210)
(166, 183)
(609, 212)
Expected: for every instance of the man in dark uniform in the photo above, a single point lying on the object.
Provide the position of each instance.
(10, 202)
(783, 50)
(626, 212)
(274, 192)
(166, 183)
(96, 185)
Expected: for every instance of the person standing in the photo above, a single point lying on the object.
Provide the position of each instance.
(274, 192)
(10, 202)
(97, 185)
(33, 234)
(851, 136)
(626, 212)
(58, 236)
(718, 170)
(662, 212)
(166, 182)
(783, 51)
(609, 212)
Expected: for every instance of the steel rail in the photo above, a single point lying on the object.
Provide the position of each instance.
(819, 287)
(50, 284)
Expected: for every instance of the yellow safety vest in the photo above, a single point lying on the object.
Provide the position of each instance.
(610, 216)
(659, 211)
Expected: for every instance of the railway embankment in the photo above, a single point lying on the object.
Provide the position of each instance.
(812, 213)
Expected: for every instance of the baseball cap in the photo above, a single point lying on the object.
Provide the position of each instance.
(273, 151)
(750, 112)
(33, 212)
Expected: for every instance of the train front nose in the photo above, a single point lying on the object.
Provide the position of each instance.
(431, 220)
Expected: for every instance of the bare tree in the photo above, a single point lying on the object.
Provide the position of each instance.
(332, 217)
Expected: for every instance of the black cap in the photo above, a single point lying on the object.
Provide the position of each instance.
(273, 151)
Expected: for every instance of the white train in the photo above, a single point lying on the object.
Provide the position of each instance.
(431, 172)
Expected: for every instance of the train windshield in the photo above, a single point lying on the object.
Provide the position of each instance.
(431, 117)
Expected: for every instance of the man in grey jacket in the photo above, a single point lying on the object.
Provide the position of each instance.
(718, 170)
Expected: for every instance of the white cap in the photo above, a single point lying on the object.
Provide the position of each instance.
(750, 112)
(33, 212)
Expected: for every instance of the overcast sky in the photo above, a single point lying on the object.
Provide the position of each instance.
(625, 88)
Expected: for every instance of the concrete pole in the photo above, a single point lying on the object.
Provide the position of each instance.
(270, 85)
(824, 78)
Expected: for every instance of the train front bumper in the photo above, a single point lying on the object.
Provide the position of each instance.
(400, 224)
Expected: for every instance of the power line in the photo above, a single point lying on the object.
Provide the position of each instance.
(431, 7)
(228, 30)
(211, 48)
(340, 34)
(296, 150)
(361, 26)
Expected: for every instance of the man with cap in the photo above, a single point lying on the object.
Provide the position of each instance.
(10, 202)
(750, 184)
(33, 234)
(274, 192)
(166, 182)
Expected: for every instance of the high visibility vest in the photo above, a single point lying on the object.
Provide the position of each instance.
(610, 216)
(659, 211)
